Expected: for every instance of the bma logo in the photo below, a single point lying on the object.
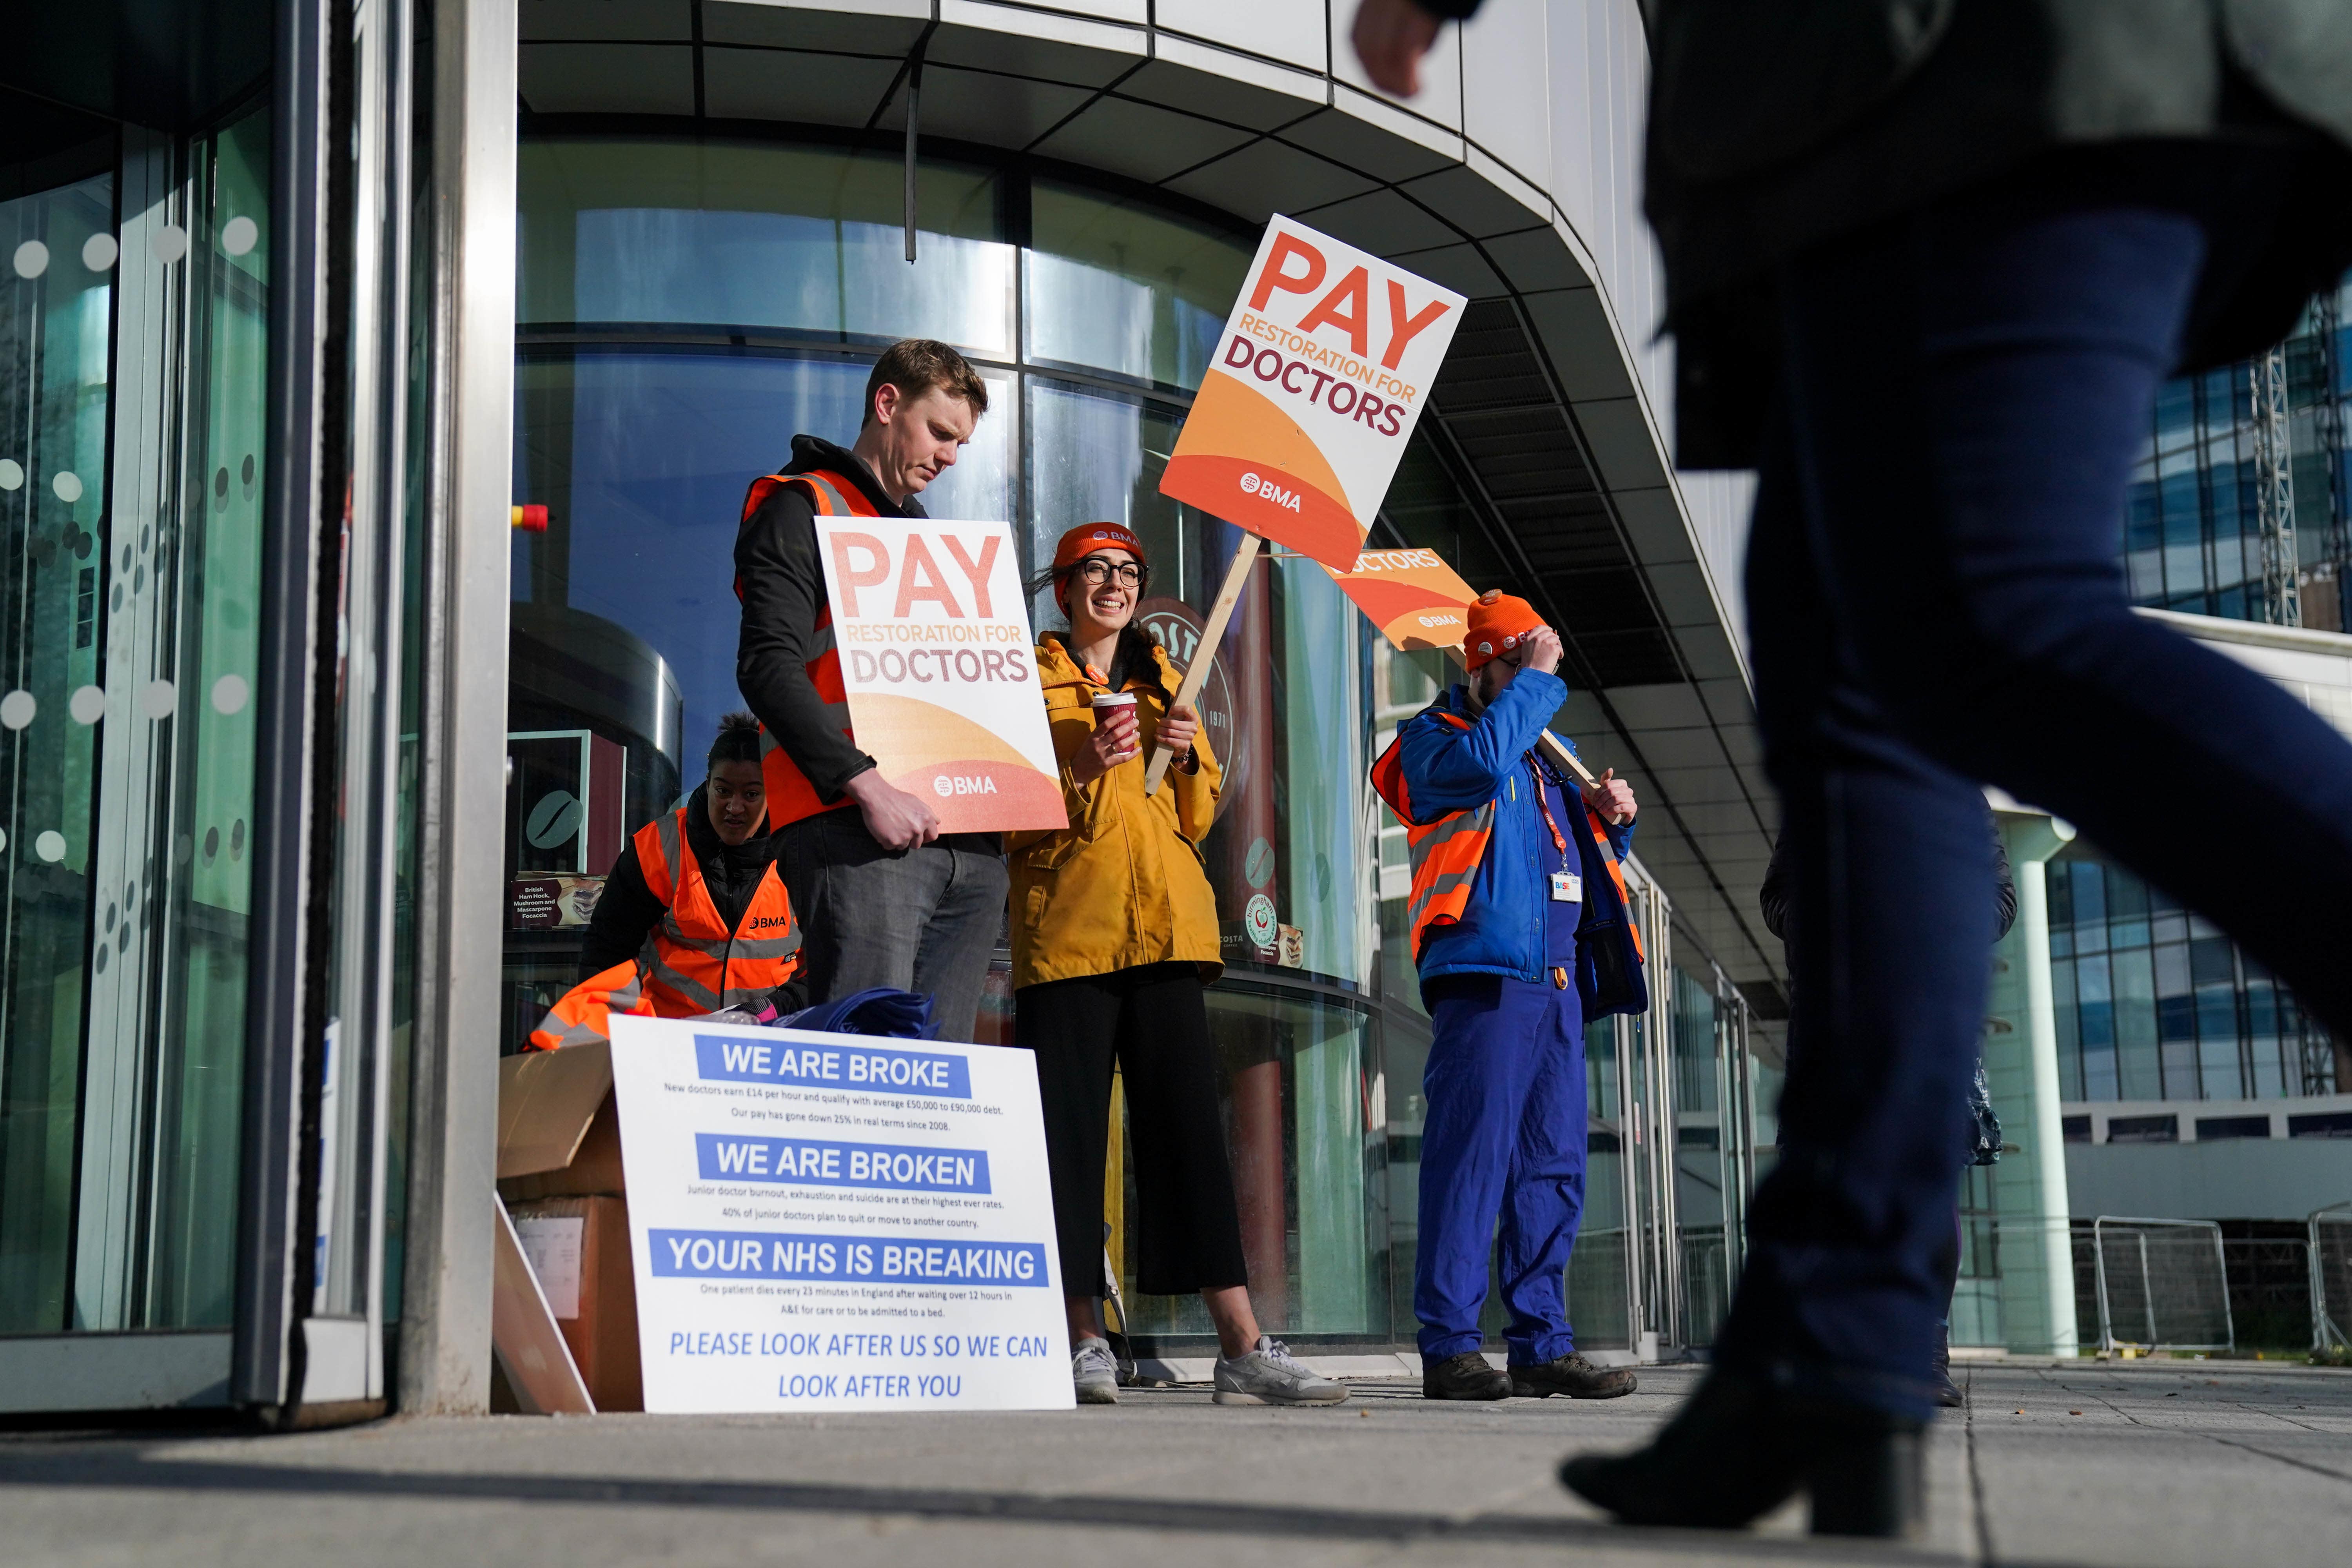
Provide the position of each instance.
(1440, 620)
(764, 922)
(949, 784)
(1268, 490)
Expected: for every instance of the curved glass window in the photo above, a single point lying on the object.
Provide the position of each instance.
(804, 239)
(1117, 286)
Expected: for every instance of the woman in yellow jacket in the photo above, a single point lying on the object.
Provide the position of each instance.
(1114, 936)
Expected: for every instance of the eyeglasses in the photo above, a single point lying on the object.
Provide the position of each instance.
(1098, 571)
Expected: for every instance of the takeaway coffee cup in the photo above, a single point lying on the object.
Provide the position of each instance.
(1109, 706)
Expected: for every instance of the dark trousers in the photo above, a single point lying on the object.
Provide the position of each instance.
(1934, 597)
(1153, 1022)
(922, 920)
(1504, 1139)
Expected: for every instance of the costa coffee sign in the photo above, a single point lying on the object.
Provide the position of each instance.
(1179, 631)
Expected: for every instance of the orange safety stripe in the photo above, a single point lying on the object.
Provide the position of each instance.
(1447, 853)
(693, 963)
(790, 797)
(582, 1016)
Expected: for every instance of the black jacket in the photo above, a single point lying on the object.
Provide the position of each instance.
(1777, 895)
(628, 910)
(782, 585)
(1775, 128)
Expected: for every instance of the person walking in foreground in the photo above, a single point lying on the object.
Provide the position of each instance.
(1928, 264)
(1522, 935)
(1114, 936)
(693, 918)
(1774, 899)
(888, 900)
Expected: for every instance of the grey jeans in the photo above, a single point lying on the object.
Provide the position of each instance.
(917, 919)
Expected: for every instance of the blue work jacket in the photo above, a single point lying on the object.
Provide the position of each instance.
(1501, 930)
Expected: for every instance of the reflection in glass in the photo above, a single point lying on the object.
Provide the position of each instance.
(132, 369)
(1297, 1075)
(806, 239)
(54, 406)
(1320, 667)
(641, 460)
(220, 546)
(1600, 1292)
(1117, 286)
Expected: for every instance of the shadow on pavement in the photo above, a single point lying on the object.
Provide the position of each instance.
(133, 1470)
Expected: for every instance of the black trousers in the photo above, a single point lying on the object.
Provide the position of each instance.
(1154, 1024)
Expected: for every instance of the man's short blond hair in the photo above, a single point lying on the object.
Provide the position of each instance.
(917, 366)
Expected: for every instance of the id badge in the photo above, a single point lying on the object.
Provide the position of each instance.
(1567, 887)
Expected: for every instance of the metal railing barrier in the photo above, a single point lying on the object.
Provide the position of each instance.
(2162, 1284)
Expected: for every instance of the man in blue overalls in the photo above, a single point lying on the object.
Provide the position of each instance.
(1522, 935)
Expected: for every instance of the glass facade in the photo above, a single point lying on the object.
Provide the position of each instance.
(2183, 1015)
(2191, 537)
(133, 341)
(2153, 1003)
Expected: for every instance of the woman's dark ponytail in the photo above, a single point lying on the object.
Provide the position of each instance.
(1134, 660)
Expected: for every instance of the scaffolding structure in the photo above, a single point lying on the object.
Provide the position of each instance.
(2273, 464)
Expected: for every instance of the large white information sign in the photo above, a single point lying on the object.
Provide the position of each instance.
(837, 1222)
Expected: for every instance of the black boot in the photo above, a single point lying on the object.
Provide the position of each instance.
(1739, 1449)
(1573, 1375)
(1948, 1393)
(1464, 1376)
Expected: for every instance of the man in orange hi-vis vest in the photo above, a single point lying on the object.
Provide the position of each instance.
(1522, 933)
(886, 898)
(694, 918)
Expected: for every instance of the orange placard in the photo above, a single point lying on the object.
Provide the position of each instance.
(933, 624)
(1413, 595)
(1324, 367)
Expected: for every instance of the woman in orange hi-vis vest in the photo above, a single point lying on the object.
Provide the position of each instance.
(1114, 935)
(694, 918)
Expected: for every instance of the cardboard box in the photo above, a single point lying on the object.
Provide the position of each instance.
(560, 1173)
(559, 1135)
(579, 1247)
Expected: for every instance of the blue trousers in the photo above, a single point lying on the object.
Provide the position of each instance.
(1934, 596)
(1504, 1137)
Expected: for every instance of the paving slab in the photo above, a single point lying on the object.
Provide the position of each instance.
(2162, 1465)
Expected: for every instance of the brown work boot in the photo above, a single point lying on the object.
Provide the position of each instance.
(1573, 1375)
(1464, 1376)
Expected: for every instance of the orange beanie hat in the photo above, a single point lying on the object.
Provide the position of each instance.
(1089, 537)
(1498, 622)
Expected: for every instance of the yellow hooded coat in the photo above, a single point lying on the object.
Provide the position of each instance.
(1122, 886)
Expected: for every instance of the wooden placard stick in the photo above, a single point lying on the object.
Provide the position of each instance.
(1212, 633)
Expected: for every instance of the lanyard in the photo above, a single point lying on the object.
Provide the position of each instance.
(1558, 839)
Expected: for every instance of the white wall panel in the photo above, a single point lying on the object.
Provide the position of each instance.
(1506, 89)
(1440, 98)
(1291, 30)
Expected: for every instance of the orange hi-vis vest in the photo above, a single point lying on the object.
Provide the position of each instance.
(1447, 853)
(692, 963)
(790, 797)
(582, 1016)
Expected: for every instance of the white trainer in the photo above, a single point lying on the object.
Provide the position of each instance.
(1269, 1374)
(1094, 1373)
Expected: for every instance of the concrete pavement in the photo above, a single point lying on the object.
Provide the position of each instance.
(2165, 1463)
